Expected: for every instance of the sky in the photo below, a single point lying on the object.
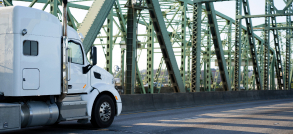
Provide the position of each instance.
(227, 8)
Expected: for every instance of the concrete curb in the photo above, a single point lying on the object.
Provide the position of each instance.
(147, 102)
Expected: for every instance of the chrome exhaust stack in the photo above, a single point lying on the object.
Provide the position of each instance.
(64, 54)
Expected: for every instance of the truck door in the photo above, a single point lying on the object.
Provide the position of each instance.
(77, 80)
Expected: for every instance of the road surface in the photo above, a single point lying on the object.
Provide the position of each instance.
(269, 116)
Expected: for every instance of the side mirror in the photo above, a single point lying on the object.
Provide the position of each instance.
(117, 68)
(94, 55)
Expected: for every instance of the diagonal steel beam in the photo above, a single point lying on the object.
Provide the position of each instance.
(288, 4)
(33, 3)
(165, 44)
(212, 20)
(94, 21)
(121, 19)
(252, 45)
(279, 65)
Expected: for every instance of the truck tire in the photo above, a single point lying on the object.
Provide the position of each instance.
(103, 112)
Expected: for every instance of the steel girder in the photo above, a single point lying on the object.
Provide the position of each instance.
(183, 40)
(93, 22)
(252, 45)
(279, 66)
(196, 48)
(172, 25)
(288, 47)
(131, 49)
(218, 45)
(150, 58)
(109, 42)
(237, 54)
(165, 44)
(267, 45)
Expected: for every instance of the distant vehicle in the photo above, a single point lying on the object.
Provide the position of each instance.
(155, 84)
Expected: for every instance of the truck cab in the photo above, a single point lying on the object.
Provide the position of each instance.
(31, 70)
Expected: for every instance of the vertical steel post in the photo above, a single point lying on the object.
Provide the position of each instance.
(122, 68)
(196, 47)
(109, 42)
(150, 57)
(237, 53)
(188, 69)
(183, 40)
(245, 68)
(261, 63)
(229, 67)
(205, 71)
(53, 7)
(267, 45)
(131, 49)
(288, 49)
(273, 64)
(208, 62)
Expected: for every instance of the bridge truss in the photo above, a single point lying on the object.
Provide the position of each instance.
(187, 37)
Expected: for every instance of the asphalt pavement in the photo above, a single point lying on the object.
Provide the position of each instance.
(269, 116)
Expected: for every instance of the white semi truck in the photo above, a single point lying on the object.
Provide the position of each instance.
(45, 76)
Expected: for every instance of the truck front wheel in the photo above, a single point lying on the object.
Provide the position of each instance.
(103, 112)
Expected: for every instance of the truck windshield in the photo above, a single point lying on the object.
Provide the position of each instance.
(76, 53)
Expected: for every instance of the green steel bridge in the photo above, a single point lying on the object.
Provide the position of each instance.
(189, 35)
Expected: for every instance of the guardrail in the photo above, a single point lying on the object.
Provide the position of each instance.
(148, 102)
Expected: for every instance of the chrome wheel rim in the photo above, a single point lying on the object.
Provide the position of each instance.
(105, 111)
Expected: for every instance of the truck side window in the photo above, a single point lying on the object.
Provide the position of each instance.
(30, 48)
(76, 53)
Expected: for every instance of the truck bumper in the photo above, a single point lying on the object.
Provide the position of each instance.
(119, 108)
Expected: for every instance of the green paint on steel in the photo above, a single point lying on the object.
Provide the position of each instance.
(139, 80)
(252, 46)
(196, 48)
(131, 49)
(229, 36)
(218, 46)
(71, 21)
(109, 42)
(183, 40)
(54, 7)
(93, 21)
(207, 65)
(237, 54)
(150, 58)
(279, 69)
(266, 71)
(122, 67)
(165, 45)
(288, 49)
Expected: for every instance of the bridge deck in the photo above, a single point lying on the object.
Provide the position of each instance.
(269, 116)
